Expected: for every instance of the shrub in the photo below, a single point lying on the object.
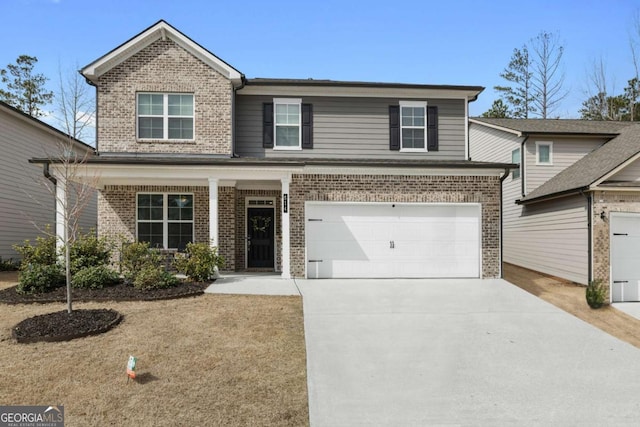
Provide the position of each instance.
(42, 253)
(596, 294)
(136, 257)
(37, 278)
(199, 262)
(9, 264)
(150, 277)
(95, 277)
(88, 251)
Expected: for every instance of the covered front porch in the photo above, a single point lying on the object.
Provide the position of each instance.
(242, 211)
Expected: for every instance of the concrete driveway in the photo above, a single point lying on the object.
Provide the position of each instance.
(459, 352)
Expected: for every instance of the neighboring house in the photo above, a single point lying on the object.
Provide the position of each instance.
(27, 202)
(310, 178)
(573, 208)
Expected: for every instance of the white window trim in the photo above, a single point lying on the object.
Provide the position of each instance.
(165, 117)
(550, 145)
(519, 170)
(165, 215)
(422, 104)
(297, 101)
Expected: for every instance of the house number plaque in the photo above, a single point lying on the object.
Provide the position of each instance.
(285, 203)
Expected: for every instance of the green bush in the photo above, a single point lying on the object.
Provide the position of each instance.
(199, 262)
(95, 277)
(42, 253)
(88, 251)
(37, 278)
(9, 264)
(150, 277)
(136, 257)
(596, 294)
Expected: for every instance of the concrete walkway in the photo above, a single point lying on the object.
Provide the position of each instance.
(631, 308)
(459, 352)
(253, 284)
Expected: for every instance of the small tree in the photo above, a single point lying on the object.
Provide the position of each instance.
(24, 89)
(76, 106)
(519, 93)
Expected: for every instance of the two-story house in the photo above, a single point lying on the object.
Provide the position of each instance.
(310, 178)
(572, 209)
(27, 198)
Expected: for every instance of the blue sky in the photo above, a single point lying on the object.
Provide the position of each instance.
(434, 42)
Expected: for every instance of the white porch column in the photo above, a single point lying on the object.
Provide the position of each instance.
(61, 220)
(213, 212)
(286, 258)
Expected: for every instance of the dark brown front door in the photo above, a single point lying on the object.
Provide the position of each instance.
(260, 237)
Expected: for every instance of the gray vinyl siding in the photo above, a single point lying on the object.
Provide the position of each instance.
(565, 152)
(345, 127)
(491, 145)
(26, 202)
(629, 173)
(550, 237)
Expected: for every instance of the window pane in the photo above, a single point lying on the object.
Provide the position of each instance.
(150, 104)
(412, 138)
(144, 199)
(144, 213)
(515, 158)
(150, 127)
(180, 128)
(412, 116)
(150, 232)
(157, 200)
(173, 214)
(288, 114)
(543, 153)
(287, 136)
(180, 105)
(179, 234)
(155, 214)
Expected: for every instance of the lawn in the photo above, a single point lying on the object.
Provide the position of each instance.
(209, 360)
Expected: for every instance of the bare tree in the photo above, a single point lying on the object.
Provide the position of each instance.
(601, 103)
(76, 106)
(548, 76)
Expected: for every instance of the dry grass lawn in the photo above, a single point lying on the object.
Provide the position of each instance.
(571, 298)
(211, 360)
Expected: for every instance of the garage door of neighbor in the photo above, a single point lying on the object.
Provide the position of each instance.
(386, 240)
(625, 256)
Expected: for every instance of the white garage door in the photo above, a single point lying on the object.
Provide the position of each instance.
(625, 256)
(385, 240)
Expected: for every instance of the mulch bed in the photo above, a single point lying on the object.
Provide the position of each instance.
(119, 292)
(64, 326)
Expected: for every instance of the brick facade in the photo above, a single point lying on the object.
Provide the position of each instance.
(399, 189)
(607, 202)
(164, 66)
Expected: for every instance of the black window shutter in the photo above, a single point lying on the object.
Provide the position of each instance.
(307, 126)
(432, 128)
(267, 125)
(394, 127)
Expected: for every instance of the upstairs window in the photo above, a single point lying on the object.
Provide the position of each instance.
(515, 158)
(165, 116)
(544, 153)
(287, 120)
(413, 120)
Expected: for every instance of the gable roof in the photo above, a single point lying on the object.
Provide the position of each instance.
(523, 127)
(591, 168)
(159, 30)
(42, 125)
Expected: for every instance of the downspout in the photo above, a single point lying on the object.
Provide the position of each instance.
(589, 198)
(502, 178)
(47, 174)
(522, 167)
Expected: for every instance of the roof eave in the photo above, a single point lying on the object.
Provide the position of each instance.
(551, 196)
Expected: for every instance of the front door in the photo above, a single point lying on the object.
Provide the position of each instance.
(260, 237)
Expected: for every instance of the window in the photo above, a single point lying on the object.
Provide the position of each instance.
(413, 120)
(165, 116)
(544, 153)
(515, 158)
(287, 117)
(165, 220)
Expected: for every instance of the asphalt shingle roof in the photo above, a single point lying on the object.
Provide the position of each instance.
(559, 126)
(594, 165)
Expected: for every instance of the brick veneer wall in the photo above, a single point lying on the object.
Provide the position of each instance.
(399, 189)
(241, 233)
(608, 202)
(117, 211)
(164, 66)
(227, 226)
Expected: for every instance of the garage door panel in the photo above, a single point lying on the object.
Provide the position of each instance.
(393, 240)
